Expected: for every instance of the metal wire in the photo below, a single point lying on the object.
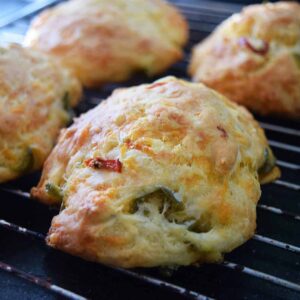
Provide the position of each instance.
(280, 129)
(27, 10)
(261, 275)
(279, 211)
(276, 243)
(287, 184)
(40, 282)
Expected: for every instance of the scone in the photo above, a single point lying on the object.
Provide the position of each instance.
(106, 41)
(35, 99)
(159, 174)
(254, 59)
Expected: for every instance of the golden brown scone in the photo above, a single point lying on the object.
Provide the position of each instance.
(157, 174)
(35, 94)
(106, 41)
(254, 58)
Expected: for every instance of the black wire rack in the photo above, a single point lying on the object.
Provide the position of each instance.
(266, 267)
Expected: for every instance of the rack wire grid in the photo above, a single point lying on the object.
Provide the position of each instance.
(266, 267)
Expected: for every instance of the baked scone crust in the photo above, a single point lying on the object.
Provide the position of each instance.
(34, 91)
(106, 41)
(184, 187)
(254, 58)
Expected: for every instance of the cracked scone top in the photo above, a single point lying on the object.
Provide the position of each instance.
(106, 41)
(35, 94)
(254, 58)
(158, 174)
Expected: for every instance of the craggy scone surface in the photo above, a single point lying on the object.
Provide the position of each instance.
(34, 91)
(106, 41)
(182, 185)
(254, 58)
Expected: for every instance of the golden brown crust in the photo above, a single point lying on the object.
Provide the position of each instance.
(233, 59)
(106, 41)
(32, 88)
(188, 187)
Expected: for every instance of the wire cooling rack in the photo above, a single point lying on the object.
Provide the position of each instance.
(267, 266)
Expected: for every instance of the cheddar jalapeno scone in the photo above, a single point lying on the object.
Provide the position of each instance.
(36, 94)
(107, 41)
(158, 174)
(254, 59)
